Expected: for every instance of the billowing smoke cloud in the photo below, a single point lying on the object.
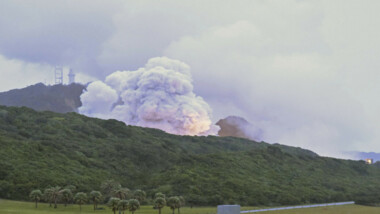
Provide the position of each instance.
(159, 95)
(239, 127)
(305, 72)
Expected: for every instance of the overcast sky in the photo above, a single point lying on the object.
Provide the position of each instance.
(305, 72)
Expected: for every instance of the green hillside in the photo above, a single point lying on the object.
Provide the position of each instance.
(41, 149)
(57, 98)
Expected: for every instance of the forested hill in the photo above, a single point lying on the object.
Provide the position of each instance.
(41, 149)
(56, 98)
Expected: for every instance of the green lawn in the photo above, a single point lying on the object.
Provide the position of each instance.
(15, 207)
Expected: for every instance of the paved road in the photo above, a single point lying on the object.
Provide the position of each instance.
(298, 207)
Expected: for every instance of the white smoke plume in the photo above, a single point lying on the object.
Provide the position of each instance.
(159, 95)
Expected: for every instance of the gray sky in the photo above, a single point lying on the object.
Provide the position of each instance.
(305, 72)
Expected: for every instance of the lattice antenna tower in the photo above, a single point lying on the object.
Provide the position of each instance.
(71, 76)
(58, 74)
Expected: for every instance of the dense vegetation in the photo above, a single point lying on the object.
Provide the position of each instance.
(46, 149)
(57, 98)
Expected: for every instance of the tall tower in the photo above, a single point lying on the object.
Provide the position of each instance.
(58, 74)
(71, 76)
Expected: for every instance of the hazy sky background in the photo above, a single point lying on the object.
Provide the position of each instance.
(305, 72)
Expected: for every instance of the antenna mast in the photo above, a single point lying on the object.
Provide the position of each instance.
(58, 73)
(71, 76)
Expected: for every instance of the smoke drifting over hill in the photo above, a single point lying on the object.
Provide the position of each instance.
(305, 72)
(159, 95)
(239, 127)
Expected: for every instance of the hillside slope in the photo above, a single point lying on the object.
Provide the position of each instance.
(39, 149)
(56, 98)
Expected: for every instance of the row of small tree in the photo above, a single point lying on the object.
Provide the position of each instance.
(116, 197)
(57, 194)
(122, 205)
(174, 202)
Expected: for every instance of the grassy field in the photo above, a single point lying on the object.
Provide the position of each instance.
(15, 207)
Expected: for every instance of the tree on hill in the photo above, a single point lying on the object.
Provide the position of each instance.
(173, 203)
(113, 203)
(133, 205)
(108, 187)
(72, 188)
(36, 195)
(181, 203)
(47, 195)
(159, 195)
(96, 197)
(159, 203)
(55, 193)
(123, 205)
(121, 193)
(139, 195)
(66, 196)
(80, 198)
